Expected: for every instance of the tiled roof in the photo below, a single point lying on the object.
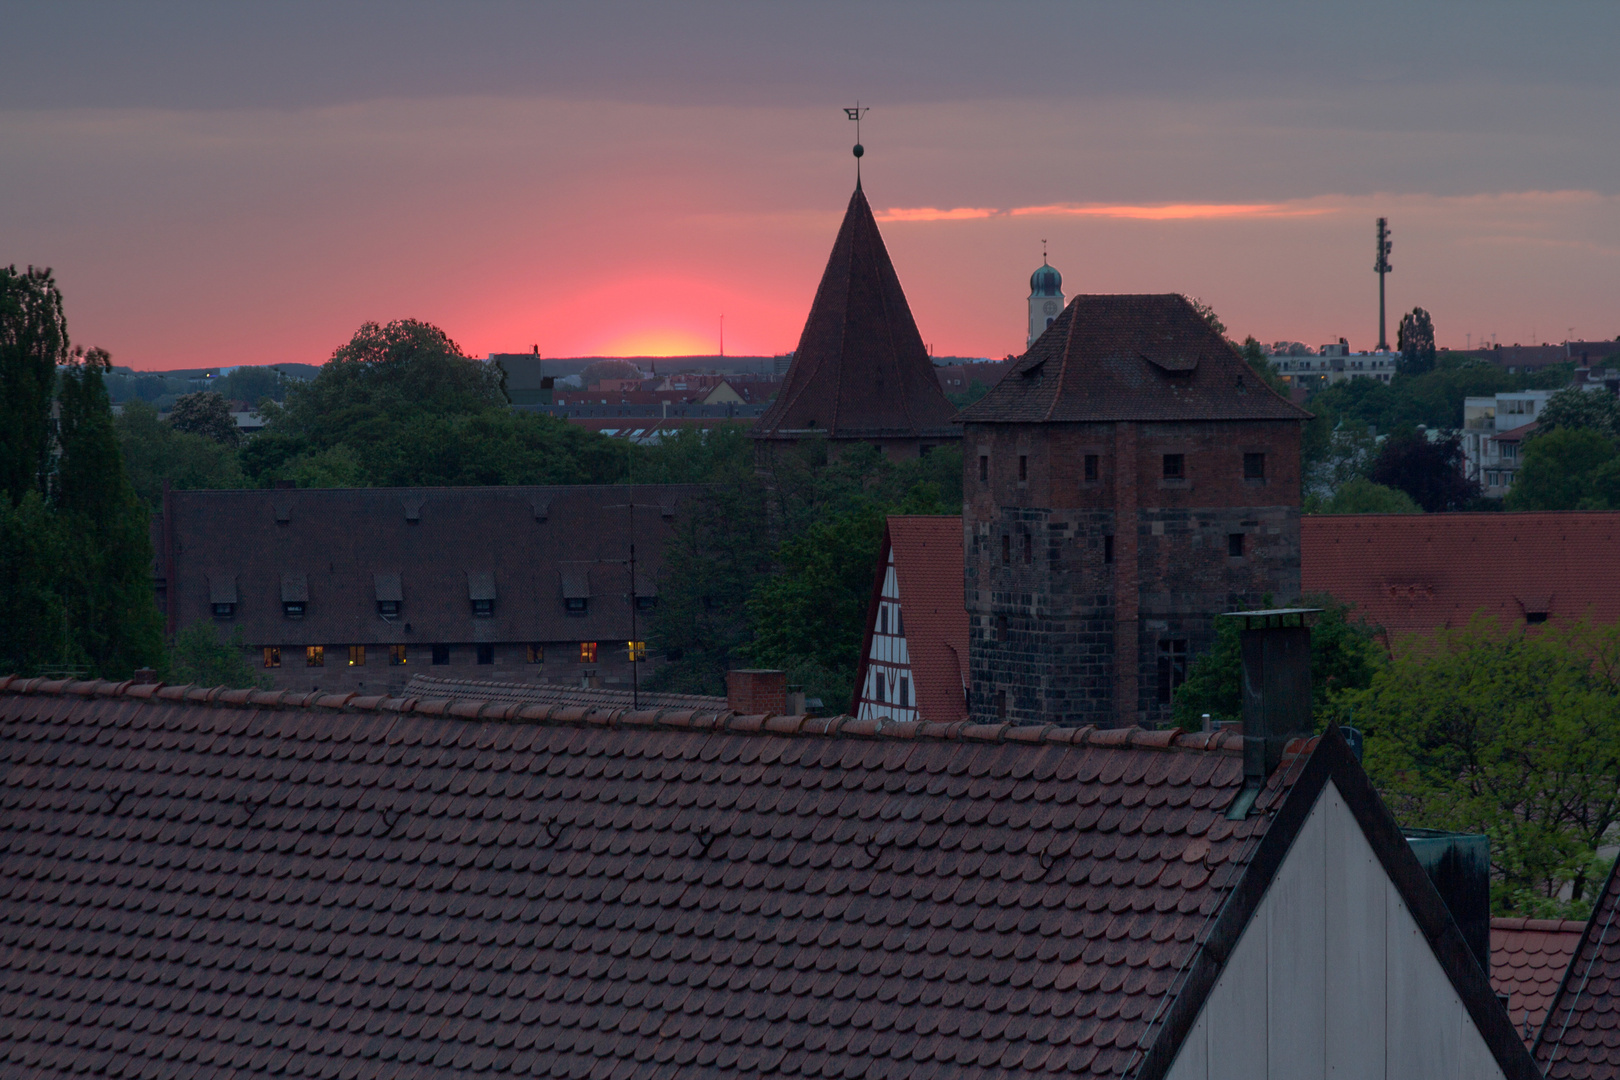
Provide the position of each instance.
(1528, 960)
(1581, 1037)
(1130, 357)
(437, 545)
(928, 571)
(1415, 572)
(204, 883)
(516, 693)
(861, 369)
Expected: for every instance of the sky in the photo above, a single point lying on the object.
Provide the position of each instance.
(219, 184)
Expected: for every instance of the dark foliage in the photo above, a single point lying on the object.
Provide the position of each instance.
(33, 341)
(1415, 339)
(1430, 471)
(208, 414)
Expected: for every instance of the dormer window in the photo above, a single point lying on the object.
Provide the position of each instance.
(294, 595)
(222, 595)
(389, 593)
(483, 609)
(576, 604)
(292, 609)
(388, 609)
(481, 592)
(224, 611)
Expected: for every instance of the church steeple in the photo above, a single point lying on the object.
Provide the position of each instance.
(861, 371)
(1045, 298)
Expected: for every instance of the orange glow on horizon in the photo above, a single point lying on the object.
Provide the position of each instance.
(660, 342)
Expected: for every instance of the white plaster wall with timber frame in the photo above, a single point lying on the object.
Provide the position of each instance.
(1333, 978)
(889, 691)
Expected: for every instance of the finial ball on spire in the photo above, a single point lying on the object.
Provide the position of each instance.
(859, 149)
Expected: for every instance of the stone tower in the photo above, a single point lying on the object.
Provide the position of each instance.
(1045, 300)
(1127, 480)
(861, 372)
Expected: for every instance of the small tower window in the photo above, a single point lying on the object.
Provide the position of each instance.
(984, 468)
(1006, 550)
(1254, 466)
(1001, 628)
(1172, 668)
(1023, 467)
(1175, 466)
(1108, 549)
(1092, 468)
(1029, 548)
(1234, 545)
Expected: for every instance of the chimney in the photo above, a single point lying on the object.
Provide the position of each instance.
(1459, 864)
(752, 691)
(1276, 692)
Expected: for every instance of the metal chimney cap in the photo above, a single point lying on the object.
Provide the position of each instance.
(1274, 618)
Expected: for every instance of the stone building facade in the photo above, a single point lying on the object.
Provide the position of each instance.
(1126, 482)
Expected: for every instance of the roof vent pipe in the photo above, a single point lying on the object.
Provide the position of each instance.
(1276, 646)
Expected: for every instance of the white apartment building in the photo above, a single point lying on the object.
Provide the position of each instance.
(1333, 364)
(1493, 430)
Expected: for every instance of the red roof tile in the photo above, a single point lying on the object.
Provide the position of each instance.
(556, 694)
(1580, 1039)
(1130, 357)
(1415, 572)
(1528, 960)
(861, 369)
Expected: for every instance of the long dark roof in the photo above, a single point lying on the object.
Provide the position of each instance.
(1130, 357)
(861, 369)
(516, 693)
(1580, 1039)
(342, 545)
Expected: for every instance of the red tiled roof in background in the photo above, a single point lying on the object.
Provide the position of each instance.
(1415, 572)
(1580, 1039)
(928, 571)
(861, 369)
(1528, 961)
(258, 883)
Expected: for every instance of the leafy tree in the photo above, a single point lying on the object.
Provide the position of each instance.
(1590, 410)
(207, 414)
(1415, 338)
(254, 384)
(1207, 313)
(1569, 468)
(199, 656)
(154, 452)
(1362, 496)
(34, 629)
(33, 341)
(1513, 735)
(1254, 354)
(1430, 471)
(1344, 656)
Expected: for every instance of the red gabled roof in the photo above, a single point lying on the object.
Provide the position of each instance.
(861, 369)
(1528, 960)
(1415, 572)
(928, 571)
(1580, 1039)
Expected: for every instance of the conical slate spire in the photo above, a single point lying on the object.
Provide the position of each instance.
(861, 370)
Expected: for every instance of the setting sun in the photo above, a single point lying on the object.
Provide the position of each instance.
(660, 342)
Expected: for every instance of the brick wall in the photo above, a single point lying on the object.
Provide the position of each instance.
(1058, 634)
(755, 691)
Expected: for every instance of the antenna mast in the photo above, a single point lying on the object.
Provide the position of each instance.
(1382, 267)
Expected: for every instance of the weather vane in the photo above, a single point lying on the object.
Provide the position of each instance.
(855, 114)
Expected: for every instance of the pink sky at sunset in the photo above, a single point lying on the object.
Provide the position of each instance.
(239, 215)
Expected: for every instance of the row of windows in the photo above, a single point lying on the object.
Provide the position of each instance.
(389, 609)
(1174, 467)
(399, 655)
(1235, 546)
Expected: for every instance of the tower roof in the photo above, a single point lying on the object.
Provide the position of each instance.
(1130, 357)
(861, 369)
(1046, 281)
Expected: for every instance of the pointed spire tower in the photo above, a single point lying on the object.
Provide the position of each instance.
(861, 372)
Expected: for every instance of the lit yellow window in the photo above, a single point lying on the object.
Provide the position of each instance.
(315, 656)
(537, 654)
(357, 656)
(636, 650)
(587, 652)
(396, 655)
(272, 656)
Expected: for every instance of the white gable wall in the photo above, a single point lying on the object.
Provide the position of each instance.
(1332, 978)
(889, 690)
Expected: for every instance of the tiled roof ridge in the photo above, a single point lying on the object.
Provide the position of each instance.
(844, 726)
(1519, 922)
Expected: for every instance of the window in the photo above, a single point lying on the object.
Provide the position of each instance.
(272, 656)
(903, 694)
(1001, 628)
(1234, 545)
(1001, 704)
(1006, 550)
(292, 609)
(357, 656)
(486, 654)
(536, 654)
(1175, 466)
(1108, 549)
(1509, 450)
(881, 685)
(587, 652)
(483, 609)
(635, 651)
(1172, 668)
(984, 468)
(314, 655)
(1023, 467)
(441, 654)
(1535, 617)
(1254, 466)
(646, 603)
(1029, 548)
(1093, 468)
(575, 605)
(396, 655)
(224, 611)
(388, 608)
(896, 622)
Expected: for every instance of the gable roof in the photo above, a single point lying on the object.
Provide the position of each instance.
(1130, 357)
(342, 550)
(1415, 572)
(1528, 961)
(927, 553)
(497, 692)
(1580, 1039)
(861, 369)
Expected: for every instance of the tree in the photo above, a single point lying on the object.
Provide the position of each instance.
(1344, 655)
(1254, 354)
(1513, 735)
(1590, 410)
(207, 414)
(154, 452)
(33, 341)
(1362, 496)
(1430, 471)
(1568, 468)
(1415, 338)
(199, 656)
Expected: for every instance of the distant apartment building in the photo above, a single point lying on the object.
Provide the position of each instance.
(1332, 364)
(1493, 430)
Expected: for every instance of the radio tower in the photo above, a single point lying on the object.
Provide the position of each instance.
(1382, 267)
